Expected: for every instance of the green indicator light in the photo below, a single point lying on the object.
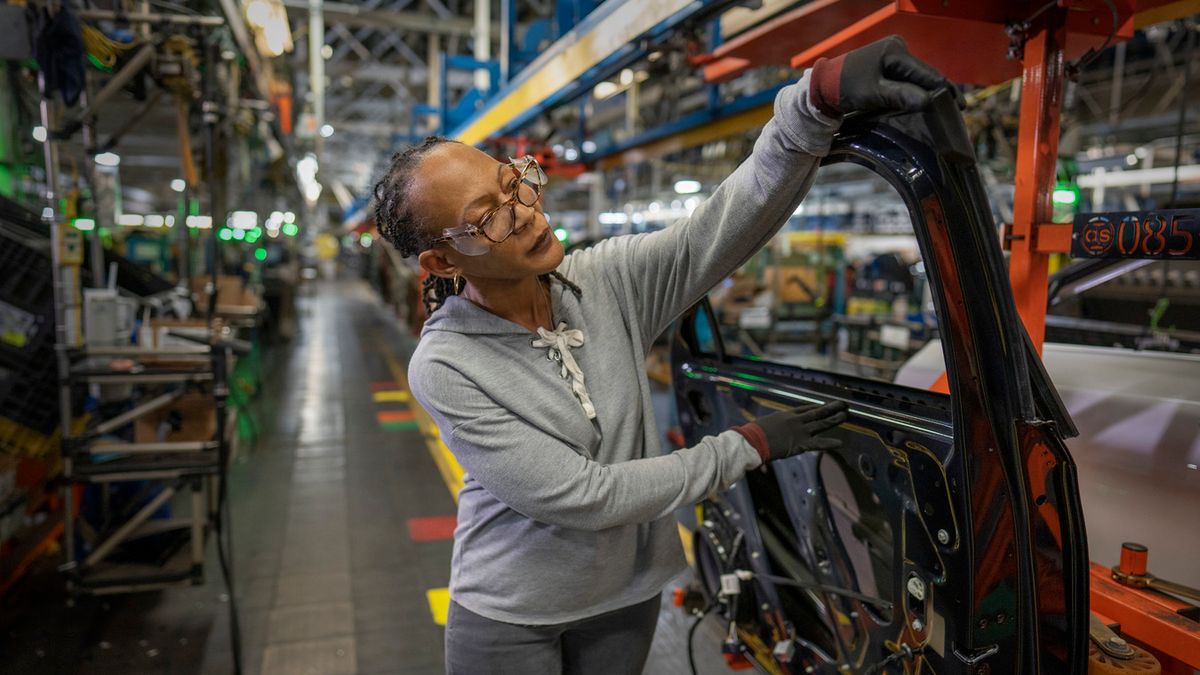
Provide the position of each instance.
(291, 229)
(224, 234)
(1065, 196)
(260, 254)
(561, 233)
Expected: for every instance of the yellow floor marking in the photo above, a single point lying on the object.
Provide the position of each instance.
(685, 536)
(452, 472)
(392, 397)
(439, 604)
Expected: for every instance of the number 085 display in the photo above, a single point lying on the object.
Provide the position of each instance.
(1157, 235)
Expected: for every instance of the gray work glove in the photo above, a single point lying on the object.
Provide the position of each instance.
(786, 433)
(880, 77)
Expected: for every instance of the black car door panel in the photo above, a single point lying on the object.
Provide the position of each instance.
(946, 535)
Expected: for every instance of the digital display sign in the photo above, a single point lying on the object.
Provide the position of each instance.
(1172, 234)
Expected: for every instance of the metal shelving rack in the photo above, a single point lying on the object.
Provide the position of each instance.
(171, 467)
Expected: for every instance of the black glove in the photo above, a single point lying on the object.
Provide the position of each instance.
(790, 432)
(882, 76)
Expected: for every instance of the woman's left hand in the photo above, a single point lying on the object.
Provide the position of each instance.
(880, 77)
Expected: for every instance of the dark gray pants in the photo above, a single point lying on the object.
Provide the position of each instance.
(615, 643)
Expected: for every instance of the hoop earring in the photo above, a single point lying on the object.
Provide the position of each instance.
(457, 284)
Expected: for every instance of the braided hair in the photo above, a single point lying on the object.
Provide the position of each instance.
(406, 230)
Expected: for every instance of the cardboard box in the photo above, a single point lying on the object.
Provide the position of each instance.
(191, 418)
(230, 292)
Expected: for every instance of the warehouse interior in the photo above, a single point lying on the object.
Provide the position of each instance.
(213, 460)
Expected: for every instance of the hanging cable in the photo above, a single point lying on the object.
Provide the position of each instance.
(691, 637)
(1182, 118)
(1073, 69)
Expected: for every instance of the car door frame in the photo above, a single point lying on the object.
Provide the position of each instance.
(1017, 503)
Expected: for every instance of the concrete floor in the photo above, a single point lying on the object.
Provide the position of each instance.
(328, 575)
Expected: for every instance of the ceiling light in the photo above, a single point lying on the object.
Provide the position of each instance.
(170, 221)
(199, 222)
(85, 224)
(588, 146)
(108, 159)
(243, 220)
(289, 217)
(327, 51)
(687, 187)
(258, 13)
(604, 90)
(613, 218)
(626, 77)
(178, 185)
(154, 220)
(130, 220)
(571, 154)
(39, 134)
(326, 131)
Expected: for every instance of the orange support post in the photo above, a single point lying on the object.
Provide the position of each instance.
(1037, 157)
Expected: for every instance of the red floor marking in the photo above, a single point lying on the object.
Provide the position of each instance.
(437, 528)
(384, 386)
(395, 415)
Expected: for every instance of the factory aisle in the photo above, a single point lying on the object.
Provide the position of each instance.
(333, 566)
(342, 525)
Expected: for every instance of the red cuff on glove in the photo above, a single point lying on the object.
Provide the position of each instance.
(757, 439)
(825, 87)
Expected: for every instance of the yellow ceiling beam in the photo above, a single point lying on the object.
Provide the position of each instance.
(568, 59)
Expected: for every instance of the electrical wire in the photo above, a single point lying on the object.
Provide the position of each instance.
(1182, 119)
(691, 637)
(224, 556)
(104, 49)
(832, 590)
(905, 652)
(1094, 53)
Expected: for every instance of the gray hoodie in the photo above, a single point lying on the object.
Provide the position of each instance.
(566, 510)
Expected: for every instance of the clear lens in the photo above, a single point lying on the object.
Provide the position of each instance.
(468, 245)
(499, 224)
(527, 193)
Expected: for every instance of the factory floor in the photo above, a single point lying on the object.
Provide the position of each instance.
(341, 536)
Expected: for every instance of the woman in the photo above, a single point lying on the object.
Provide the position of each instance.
(533, 367)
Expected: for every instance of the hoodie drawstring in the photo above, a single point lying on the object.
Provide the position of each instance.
(558, 344)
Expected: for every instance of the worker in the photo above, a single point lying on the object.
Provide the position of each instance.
(533, 367)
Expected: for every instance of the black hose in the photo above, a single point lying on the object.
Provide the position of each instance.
(691, 637)
(224, 553)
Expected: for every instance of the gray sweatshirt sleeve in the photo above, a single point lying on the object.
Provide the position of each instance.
(669, 270)
(546, 479)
